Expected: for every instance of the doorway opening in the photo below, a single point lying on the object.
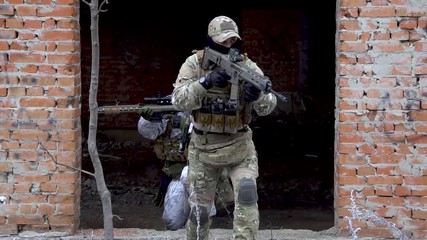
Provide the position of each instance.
(141, 52)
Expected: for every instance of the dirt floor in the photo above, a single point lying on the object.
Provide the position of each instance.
(133, 210)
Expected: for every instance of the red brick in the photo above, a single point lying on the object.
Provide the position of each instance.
(25, 219)
(353, 3)
(402, 191)
(8, 229)
(26, 11)
(59, 11)
(384, 180)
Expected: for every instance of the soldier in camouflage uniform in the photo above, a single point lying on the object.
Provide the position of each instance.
(167, 132)
(221, 139)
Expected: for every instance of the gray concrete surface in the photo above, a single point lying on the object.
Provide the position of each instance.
(147, 234)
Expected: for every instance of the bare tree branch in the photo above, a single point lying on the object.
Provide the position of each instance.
(62, 164)
(102, 4)
(109, 156)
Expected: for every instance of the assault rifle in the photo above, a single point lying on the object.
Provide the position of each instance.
(234, 66)
(162, 105)
(155, 104)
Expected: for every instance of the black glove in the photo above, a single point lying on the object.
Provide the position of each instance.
(217, 77)
(156, 117)
(251, 92)
(146, 114)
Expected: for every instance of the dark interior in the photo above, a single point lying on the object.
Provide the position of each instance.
(295, 144)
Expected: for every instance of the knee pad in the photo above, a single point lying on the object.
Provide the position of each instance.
(200, 212)
(247, 191)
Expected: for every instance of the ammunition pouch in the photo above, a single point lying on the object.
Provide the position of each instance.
(169, 151)
(217, 116)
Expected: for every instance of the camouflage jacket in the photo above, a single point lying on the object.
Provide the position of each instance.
(188, 93)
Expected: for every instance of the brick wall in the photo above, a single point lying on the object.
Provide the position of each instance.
(40, 95)
(131, 68)
(381, 130)
(380, 109)
(275, 44)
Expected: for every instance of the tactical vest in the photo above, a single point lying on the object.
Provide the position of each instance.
(167, 146)
(215, 114)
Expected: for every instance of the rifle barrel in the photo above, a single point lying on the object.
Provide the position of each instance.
(280, 96)
(116, 109)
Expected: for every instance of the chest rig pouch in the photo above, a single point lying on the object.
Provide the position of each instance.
(167, 146)
(216, 115)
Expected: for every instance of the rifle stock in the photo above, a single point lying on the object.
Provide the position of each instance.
(233, 65)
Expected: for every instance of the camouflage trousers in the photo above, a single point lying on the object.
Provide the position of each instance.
(203, 179)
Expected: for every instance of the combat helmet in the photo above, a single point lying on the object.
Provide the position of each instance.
(222, 28)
